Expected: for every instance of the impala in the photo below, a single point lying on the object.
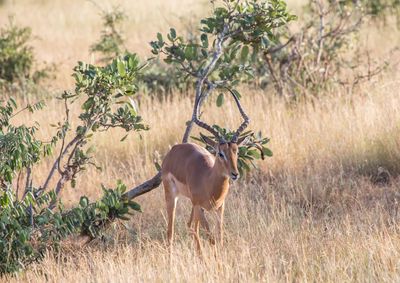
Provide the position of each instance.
(190, 170)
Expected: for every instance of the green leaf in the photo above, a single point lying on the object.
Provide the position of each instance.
(244, 54)
(159, 37)
(190, 52)
(158, 167)
(88, 103)
(204, 40)
(173, 33)
(266, 151)
(254, 153)
(121, 68)
(12, 100)
(236, 93)
(220, 99)
(84, 201)
(134, 205)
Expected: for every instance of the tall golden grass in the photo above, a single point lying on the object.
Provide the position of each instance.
(312, 212)
(64, 31)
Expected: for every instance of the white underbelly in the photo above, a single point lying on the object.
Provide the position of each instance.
(177, 187)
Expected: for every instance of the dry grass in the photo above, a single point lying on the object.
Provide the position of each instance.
(310, 213)
(65, 31)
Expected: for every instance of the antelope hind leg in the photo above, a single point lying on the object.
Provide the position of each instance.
(170, 200)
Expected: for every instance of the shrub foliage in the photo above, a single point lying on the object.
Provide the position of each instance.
(111, 42)
(30, 224)
(16, 56)
(28, 228)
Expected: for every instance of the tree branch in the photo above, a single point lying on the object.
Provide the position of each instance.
(277, 83)
(155, 181)
(28, 182)
(64, 130)
(145, 187)
(202, 79)
(55, 165)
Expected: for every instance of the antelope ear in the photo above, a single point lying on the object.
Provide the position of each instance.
(209, 141)
(243, 140)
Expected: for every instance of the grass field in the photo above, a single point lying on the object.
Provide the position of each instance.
(311, 213)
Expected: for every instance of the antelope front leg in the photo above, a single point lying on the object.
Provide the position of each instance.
(206, 226)
(196, 221)
(220, 220)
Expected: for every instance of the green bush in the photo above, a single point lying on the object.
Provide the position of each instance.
(28, 228)
(111, 42)
(217, 60)
(381, 9)
(16, 56)
(319, 58)
(19, 147)
(29, 223)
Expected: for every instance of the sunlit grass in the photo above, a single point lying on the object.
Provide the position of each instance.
(309, 213)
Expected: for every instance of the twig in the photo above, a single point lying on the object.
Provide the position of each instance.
(277, 84)
(321, 30)
(18, 180)
(55, 164)
(28, 181)
(64, 135)
(280, 47)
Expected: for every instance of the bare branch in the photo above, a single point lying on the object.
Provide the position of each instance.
(18, 180)
(280, 47)
(321, 30)
(199, 88)
(28, 182)
(64, 135)
(278, 85)
(54, 167)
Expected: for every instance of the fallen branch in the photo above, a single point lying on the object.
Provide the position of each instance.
(155, 181)
(144, 187)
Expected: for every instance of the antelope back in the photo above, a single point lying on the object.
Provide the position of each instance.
(185, 160)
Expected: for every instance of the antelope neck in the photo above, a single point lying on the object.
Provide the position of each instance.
(219, 184)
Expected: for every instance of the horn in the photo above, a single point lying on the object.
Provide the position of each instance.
(204, 125)
(246, 119)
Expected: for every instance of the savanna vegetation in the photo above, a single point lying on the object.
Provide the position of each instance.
(94, 94)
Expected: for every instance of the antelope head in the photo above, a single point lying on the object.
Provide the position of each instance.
(226, 151)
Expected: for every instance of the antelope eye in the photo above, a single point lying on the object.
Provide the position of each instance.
(220, 154)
